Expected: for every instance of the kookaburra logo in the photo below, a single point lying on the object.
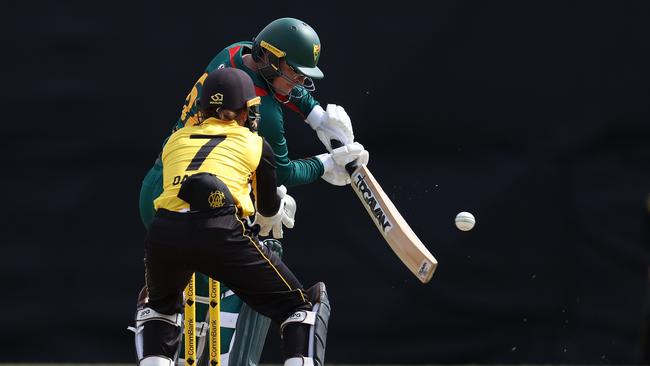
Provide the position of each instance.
(216, 98)
(372, 204)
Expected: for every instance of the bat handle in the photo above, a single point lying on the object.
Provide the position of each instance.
(351, 166)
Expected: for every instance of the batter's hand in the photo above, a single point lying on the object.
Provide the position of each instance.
(349, 153)
(331, 124)
(334, 174)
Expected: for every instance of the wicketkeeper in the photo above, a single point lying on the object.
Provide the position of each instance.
(209, 168)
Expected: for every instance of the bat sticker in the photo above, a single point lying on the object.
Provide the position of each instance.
(371, 202)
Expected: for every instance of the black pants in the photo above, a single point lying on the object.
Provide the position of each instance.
(219, 245)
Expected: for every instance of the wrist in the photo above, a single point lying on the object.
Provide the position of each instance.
(315, 117)
(328, 162)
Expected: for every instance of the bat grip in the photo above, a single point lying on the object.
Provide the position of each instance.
(351, 166)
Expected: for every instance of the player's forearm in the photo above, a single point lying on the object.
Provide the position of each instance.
(267, 199)
(298, 172)
(305, 105)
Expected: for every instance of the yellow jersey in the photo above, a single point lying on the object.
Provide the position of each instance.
(223, 148)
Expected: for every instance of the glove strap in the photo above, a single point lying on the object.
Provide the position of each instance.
(315, 117)
(328, 162)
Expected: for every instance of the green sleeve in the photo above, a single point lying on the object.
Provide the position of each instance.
(289, 172)
(304, 104)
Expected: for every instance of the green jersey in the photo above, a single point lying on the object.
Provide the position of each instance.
(271, 126)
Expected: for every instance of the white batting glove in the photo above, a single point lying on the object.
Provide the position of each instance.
(349, 153)
(331, 124)
(334, 174)
(285, 216)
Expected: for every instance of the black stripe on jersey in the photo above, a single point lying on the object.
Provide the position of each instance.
(205, 150)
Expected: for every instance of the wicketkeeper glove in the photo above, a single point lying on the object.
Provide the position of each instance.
(285, 216)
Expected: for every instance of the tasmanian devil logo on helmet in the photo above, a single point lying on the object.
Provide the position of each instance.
(316, 51)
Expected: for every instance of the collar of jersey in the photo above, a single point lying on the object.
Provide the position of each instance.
(239, 63)
(217, 121)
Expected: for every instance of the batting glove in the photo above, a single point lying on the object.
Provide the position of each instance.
(349, 153)
(334, 174)
(331, 124)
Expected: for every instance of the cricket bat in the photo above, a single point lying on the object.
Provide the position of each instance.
(390, 223)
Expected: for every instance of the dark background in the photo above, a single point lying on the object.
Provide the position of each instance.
(534, 116)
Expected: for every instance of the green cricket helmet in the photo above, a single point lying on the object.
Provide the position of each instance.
(292, 40)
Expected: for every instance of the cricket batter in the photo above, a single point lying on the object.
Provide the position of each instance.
(282, 62)
(209, 168)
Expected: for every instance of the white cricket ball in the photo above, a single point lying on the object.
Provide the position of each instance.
(465, 221)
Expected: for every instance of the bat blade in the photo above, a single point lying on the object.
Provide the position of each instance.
(392, 226)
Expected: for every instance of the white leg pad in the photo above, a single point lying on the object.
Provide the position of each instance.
(156, 361)
(299, 361)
